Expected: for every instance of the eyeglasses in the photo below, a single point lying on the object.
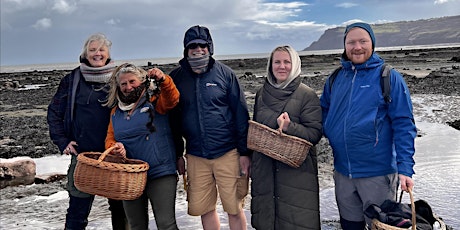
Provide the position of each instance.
(195, 45)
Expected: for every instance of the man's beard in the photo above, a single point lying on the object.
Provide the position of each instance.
(133, 96)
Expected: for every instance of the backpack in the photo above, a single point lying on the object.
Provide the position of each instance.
(384, 80)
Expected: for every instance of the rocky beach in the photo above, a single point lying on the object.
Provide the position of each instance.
(432, 75)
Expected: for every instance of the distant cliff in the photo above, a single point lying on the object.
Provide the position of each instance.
(403, 33)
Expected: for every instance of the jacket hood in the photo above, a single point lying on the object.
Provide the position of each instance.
(200, 34)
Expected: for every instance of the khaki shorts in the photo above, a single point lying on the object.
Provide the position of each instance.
(206, 178)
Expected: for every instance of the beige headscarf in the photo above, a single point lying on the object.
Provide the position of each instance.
(295, 70)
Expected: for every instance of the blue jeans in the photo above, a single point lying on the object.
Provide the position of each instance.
(78, 212)
(79, 209)
(80, 205)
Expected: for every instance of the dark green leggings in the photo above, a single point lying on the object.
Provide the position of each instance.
(161, 192)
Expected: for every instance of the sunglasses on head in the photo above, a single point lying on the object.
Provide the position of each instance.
(195, 45)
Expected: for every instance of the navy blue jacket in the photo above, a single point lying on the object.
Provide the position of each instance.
(86, 129)
(212, 113)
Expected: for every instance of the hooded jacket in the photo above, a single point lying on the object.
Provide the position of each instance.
(212, 113)
(368, 136)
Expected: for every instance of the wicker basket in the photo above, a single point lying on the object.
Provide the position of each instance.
(377, 225)
(288, 149)
(110, 176)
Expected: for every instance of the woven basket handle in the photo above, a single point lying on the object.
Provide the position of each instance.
(280, 129)
(414, 225)
(414, 216)
(104, 154)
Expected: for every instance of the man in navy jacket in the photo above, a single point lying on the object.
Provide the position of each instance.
(212, 117)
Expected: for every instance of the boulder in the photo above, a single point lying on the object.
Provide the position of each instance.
(17, 167)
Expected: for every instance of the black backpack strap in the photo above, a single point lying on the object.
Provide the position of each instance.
(385, 82)
(333, 76)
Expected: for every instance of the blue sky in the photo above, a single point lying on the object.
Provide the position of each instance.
(53, 31)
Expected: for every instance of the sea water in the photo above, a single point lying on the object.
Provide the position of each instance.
(169, 60)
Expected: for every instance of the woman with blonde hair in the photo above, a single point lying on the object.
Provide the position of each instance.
(139, 128)
(284, 197)
(78, 123)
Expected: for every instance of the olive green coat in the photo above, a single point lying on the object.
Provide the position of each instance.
(284, 197)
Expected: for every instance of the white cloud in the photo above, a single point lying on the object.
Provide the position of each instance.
(291, 24)
(237, 26)
(274, 11)
(8, 6)
(351, 22)
(43, 24)
(346, 5)
(63, 6)
(436, 2)
(113, 22)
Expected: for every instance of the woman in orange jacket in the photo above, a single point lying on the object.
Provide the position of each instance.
(139, 129)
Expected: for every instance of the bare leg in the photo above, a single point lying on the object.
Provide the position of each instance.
(238, 221)
(210, 221)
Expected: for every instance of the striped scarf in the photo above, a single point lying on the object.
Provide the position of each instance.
(200, 64)
(97, 74)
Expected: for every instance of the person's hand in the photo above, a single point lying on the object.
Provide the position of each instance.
(181, 165)
(119, 149)
(406, 182)
(283, 120)
(245, 165)
(156, 73)
(70, 150)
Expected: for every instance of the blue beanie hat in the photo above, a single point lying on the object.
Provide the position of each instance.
(364, 26)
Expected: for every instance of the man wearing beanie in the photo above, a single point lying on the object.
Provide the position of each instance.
(372, 140)
(212, 117)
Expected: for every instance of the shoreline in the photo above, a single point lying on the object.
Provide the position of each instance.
(23, 112)
(68, 66)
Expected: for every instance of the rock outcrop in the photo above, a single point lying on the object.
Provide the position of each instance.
(403, 33)
(17, 167)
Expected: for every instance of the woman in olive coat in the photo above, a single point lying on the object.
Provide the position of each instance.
(284, 197)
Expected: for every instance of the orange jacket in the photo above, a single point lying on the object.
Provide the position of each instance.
(168, 99)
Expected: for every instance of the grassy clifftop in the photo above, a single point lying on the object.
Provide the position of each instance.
(403, 33)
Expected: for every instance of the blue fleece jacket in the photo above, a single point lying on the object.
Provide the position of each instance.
(155, 148)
